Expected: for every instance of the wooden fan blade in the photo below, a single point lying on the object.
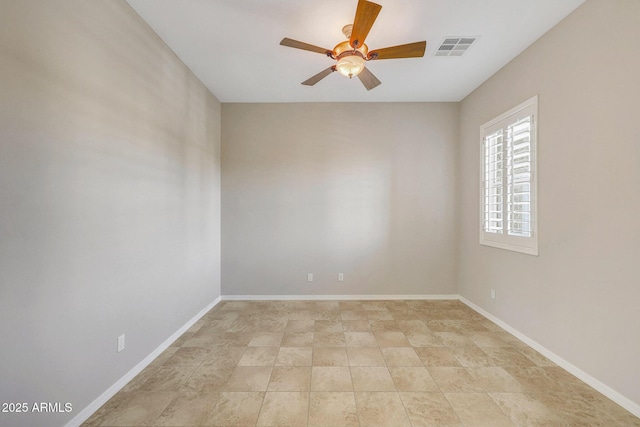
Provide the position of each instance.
(368, 79)
(411, 50)
(304, 46)
(366, 15)
(321, 75)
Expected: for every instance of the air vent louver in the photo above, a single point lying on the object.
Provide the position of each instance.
(455, 46)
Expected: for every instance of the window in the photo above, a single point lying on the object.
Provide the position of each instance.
(508, 181)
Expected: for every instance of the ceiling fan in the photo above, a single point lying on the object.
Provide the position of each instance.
(352, 53)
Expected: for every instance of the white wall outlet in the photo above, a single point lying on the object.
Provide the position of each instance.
(493, 294)
(120, 343)
(309, 277)
(340, 277)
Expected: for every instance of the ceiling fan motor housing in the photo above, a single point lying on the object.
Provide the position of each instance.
(350, 61)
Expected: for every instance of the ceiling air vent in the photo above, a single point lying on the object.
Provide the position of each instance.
(455, 46)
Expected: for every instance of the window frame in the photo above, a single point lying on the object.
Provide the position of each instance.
(522, 244)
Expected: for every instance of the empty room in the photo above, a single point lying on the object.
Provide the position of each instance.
(319, 213)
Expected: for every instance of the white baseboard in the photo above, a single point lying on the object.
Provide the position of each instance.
(598, 385)
(335, 297)
(84, 414)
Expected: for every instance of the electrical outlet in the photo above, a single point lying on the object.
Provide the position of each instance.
(120, 343)
(340, 277)
(493, 294)
(310, 277)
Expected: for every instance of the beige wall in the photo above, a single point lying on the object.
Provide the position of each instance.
(579, 297)
(362, 189)
(109, 199)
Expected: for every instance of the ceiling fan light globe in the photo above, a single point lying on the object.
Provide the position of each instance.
(350, 66)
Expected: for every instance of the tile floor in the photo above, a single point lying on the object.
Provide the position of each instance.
(354, 363)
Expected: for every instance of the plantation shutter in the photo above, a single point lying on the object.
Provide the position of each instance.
(508, 180)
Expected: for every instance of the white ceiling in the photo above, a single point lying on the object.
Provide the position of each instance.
(233, 45)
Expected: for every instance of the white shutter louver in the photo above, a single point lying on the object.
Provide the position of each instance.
(519, 177)
(493, 182)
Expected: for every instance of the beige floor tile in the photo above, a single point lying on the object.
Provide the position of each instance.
(535, 379)
(233, 305)
(356, 326)
(379, 315)
(136, 383)
(488, 339)
(190, 356)
(478, 410)
(381, 409)
(443, 325)
(330, 356)
(307, 325)
(416, 325)
(353, 315)
(576, 408)
(602, 404)
(454, 339)
(401, 356)
(203, 339)
(234, 339)
(188, 409)
(566, 381)
(436, 356)
(524, 410)
(507, 356)
(423, 339)
(332, 409)
(384, 326)
(290, 378)
(298, 339)
(141, 408)
(327, 306)
(329, 339)
(266, 339)
(170, 378)
(302, 315)
(328, 326)
(429, 409)
(236, 409)
(535, 357)
(373, 305)
(210, 378)
(372, 379)
(457, 380)
(405, 315)
(166, 355)
(413, 379)
(224, 356)
(365, 356)
(350, 305)
(248, 378)
(259, 356)
(271, 325)
(360, 339)
(331, 378)
(182, 340)
(495, 379)
(471, 356)
(295, 356)
(391, 339)
(284, 409)
(328, 315)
